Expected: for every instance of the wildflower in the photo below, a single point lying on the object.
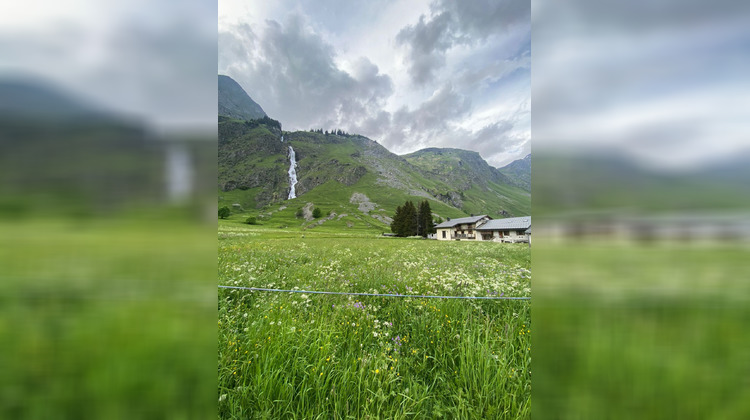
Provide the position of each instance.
(377, 370)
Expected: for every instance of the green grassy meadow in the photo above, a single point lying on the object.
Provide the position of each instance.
(297, 355)
(641, 330)
(106, 319)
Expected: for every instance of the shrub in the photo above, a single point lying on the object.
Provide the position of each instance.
(316, 212)
(299, 213)
(224, 212)
(251, 221)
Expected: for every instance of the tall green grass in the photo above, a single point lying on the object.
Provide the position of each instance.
(293, 355)
(637, 330)
(106, 319)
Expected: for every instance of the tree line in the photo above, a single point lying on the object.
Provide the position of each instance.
(270, 122)
(336, 132)
(410, 221)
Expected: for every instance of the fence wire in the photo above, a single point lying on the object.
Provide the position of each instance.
(318, 292)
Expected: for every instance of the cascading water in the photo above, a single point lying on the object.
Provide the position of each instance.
(179, 172)
(282, 138)
(292, 173)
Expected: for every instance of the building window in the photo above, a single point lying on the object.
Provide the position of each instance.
(519, 232)
(443, 234)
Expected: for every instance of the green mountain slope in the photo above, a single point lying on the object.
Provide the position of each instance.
(607, 181)
(355, 178)
(355, 181)
(519, 172)
(474, 185)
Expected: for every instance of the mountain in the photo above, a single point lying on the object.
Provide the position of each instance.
(234, 102)
(26, 99)
(606, 180)
(480, 187)
(354, 177)
(519, 172)
(63, 156)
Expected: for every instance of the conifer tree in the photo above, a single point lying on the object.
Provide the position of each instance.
(406, 220)
(410, 219)
(425, 224)
(397, 221)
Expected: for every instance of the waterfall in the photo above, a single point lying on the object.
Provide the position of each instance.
(292, 173)
(179, 172)
(282, 138)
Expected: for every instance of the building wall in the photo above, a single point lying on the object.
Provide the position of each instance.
(448, 234)
(512, 235)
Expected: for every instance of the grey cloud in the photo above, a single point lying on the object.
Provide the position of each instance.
(419, 127)
(495, 142)
(290, 71)
(453, 23)
(427, 42)
(136, 68)
(636, 16)
(437, 112)
(480, 18)
(236, 46)
(434, 124)
(485, 140)
(483, 73)
(656, 84)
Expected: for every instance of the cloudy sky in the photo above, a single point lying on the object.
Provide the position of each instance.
(662, 81)
(409, 74)
(153, 59)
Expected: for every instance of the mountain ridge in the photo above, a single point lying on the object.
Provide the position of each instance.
(234, 102)
(336, 168)
(519, 172)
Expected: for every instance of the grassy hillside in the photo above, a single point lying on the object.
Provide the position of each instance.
(519, 172)
(480, 188)
(611, 182)
(350, 175)
(252, 163)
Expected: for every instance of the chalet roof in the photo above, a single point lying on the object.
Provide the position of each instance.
(509, 223)
(460, 221)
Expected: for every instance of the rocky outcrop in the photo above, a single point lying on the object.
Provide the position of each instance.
(451, 197)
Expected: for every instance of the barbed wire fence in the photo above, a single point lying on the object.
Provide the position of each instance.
(319, 292)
